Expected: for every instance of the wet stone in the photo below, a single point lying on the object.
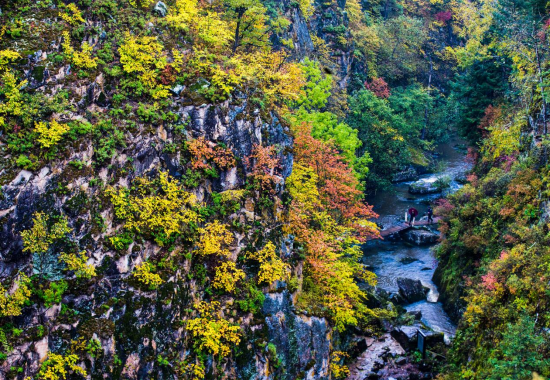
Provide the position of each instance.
(411, 290)
(420, 237)
(421, 187)
(405, 175)
(407, 260)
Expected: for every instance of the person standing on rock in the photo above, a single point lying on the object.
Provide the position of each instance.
(412, 215)
(430, 215)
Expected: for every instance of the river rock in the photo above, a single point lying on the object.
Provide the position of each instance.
(417, 314)
(406, 175)
(421, 187)
(411, 290)
(421, 237)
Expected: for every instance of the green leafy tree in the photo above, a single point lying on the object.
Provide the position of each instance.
(519, 353)
(382, 133)
(400, 53)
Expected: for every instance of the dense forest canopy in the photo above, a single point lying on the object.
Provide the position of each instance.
(183, 183)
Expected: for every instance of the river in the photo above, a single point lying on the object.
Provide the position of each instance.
(391, 260)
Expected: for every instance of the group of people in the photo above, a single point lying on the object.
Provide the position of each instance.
(412, 213)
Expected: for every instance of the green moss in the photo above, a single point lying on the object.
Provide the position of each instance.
(417, 157)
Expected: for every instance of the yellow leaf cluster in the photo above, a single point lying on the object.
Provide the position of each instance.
(72, 15)
(13, 103)
(272, 268)
(57, 367)
(140, 3)
(82, 59)
(503, 140)
(231, 60)
(39, 238)
(78, 264)
(160, 211)
(181, 14)
(6, 56)
(205, 25)
(144, 57)
(337, 370)
(307, 8)
(211, 332)
(227, 275)
(214, 239)
(192, 371)
(12, 303)
(50, 135)
(144, 274)
(232, 195)
(262, 71)
(471, 22)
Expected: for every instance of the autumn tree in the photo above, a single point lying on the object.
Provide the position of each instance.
(329, 219)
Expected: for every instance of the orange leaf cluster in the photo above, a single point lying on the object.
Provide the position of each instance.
(204, 153)
(264, 167)
(339, 189)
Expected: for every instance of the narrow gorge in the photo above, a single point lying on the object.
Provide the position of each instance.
(218, 189)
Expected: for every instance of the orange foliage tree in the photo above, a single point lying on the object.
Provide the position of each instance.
(339, 189)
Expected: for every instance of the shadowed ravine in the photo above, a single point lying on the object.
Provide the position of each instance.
(399, 259)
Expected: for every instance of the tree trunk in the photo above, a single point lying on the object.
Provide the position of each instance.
(237, 42)
(425, 127)
(541, 82)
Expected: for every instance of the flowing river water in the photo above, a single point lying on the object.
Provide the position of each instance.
(391, 260)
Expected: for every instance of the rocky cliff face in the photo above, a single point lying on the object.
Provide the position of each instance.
(135, 326)
(139, 332)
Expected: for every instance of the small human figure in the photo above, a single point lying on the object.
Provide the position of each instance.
(412, 215)
(430, 215)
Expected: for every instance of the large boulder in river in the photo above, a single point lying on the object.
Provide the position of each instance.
(422, 187)
(411, 290)
(407, 336)
(420, 237)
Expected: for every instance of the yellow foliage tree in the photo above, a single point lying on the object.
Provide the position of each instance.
(231, 48)
(140, 3)
(39, 238)
(13, 103)
(50, 135)
(504, 138)
(144, 274)
(272, 268)
(471, 21)
(212, 334)
(227, 276)
(161, 209)
(214, 239)
(204, 25)
(78, 264)
(144, 57)
(57, 367)
(7, 56)
(72, 15)
(82, 59)
(338, 371)
(12, 303)
(307, 8)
